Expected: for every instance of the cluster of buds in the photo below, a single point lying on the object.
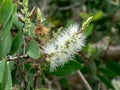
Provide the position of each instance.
(26, 19)
(61, 49)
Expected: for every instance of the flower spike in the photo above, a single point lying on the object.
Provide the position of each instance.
(65, 45)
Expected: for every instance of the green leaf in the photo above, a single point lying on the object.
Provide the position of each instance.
(17, 42)
(16, 22)
(5, 46)
(7, 27)
(114, 67)
(9, 79)
(6, 30)
(5, 76)
(85, 15)
(105, 80)
(33, 49)
(92, 67)
(2, 65)
(5, 11)
(98, 15)
(106, 71)
(88, 30)
(68, 68)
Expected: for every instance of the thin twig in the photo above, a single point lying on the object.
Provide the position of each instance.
(68, 7)
(106, 50)
(16, 57)
(84, 80)
(48, 82)
(37, 74)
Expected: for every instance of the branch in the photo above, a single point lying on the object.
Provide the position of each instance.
(16, 57)
(48, 82)
(84, 80)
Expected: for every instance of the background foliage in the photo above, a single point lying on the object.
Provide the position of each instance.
(98, 61)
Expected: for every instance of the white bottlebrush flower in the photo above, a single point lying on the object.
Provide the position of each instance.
(63, 48)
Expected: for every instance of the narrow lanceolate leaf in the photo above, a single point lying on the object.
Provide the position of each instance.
(6, 27)
(33, 49)
(98, 15)
(17, 43)
(106, 71)
(2, 65)
(105, 79)
(114, 67)
(5, 46)
(6, 10)
(5, 76)
(9, 78)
